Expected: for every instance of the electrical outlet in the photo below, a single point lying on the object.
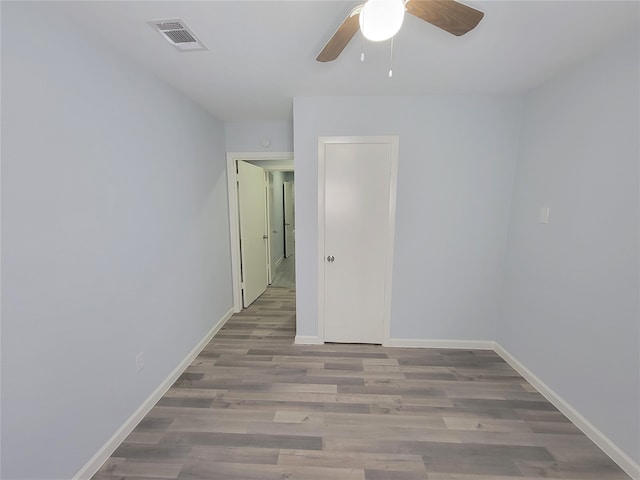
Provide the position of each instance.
(139, 361)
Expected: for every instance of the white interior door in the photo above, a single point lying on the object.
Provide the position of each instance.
(253, 231)
(289, 220)
(359, 188)
(271, 260)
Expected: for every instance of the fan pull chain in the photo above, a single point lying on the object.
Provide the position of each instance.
(362, 47)
(391, 60)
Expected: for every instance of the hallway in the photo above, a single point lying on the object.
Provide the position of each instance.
(286, 273)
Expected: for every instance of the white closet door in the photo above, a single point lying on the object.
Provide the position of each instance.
(357, 240)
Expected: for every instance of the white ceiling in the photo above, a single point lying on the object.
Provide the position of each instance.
(262, 53)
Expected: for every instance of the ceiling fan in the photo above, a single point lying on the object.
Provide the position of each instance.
(449, 15)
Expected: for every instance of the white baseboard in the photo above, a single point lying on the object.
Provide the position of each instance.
(94, 464)
(278, 262)
(600, 439)
(427, 343)
(307, 340)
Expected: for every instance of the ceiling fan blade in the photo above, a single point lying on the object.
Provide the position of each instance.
(341, 38)
(449, 15)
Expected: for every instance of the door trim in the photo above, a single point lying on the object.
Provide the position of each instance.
(234, 225)
(392, 140)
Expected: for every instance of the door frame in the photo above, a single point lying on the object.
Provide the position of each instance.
(282, 161)
(392, 140)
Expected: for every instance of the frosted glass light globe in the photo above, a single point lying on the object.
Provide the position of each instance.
(381, 19)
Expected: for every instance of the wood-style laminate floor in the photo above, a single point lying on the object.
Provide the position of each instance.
(254, 406)
(285, 275)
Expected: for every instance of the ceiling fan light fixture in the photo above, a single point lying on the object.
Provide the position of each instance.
(381, 19)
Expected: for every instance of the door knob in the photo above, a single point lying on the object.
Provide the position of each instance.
(265, 236)
(330, 258)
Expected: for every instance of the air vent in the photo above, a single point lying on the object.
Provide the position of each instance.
(178, 34)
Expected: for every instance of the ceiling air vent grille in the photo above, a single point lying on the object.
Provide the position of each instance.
(178, 34)
(170, 26)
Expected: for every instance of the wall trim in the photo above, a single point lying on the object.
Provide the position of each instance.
(308, 340)
(623, 460)
(101, 456)
(279, 261)
(437, 343)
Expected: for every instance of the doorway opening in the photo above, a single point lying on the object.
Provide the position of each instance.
(282, 225)
(262, 223)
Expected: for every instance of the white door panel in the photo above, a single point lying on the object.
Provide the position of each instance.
(289, 220)
(253, 246)
(356, 237)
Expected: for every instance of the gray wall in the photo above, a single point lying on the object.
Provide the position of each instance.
(248, 136)
(455, 172)
(571, 287)
(115, 239)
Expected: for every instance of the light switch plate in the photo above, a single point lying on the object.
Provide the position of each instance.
(544, 215)
(139, 361)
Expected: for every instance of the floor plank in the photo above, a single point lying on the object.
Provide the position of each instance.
(285, 274)
(254, 406)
